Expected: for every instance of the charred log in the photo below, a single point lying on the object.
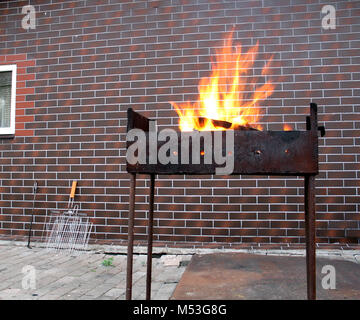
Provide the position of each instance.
(224, 124)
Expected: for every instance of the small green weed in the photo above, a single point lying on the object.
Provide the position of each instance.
(108, 262)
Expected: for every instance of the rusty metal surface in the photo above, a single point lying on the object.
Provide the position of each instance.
(309, 204)
(292, 153)
(130, 248)
(150, 236)
(136, 120)
(237, 276)
(310, 213)
(255, 152)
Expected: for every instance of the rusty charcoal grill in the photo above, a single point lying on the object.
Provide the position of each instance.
(287, 153)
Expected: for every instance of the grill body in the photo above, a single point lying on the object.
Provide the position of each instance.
(286, 153)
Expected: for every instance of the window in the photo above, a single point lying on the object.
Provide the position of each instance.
(7, 99)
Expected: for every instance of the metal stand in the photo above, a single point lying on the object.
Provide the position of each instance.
(309, 199)
(310, 212)
(136, 120)
(150, 237)
(304, 164)
(130, 237)
(310, 236)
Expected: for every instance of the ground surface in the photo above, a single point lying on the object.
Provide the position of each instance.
(212, 273)
(264, 277)
(39, 274)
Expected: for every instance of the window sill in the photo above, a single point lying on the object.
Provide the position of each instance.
(7, 136)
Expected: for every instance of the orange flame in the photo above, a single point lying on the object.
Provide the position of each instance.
(229, 94)
(287, 127)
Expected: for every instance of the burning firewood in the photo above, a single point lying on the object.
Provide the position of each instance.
(224, 124)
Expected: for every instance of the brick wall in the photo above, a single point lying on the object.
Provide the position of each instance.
(87, 61)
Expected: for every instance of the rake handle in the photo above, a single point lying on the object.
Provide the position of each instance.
(73, 189)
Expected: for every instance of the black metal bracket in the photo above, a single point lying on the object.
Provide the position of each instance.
(320, 128)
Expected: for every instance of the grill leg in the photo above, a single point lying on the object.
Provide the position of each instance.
(129, 269)
(150, 237)
(310, 236)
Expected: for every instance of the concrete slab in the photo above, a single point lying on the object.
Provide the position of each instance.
(236, 276)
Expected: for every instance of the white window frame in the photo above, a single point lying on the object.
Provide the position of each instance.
(10, 130)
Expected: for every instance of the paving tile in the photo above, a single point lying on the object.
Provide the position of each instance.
(115, 292)
(83, 277)
(72, 277)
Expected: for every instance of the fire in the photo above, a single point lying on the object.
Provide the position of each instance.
(230, 94)
(287, 127)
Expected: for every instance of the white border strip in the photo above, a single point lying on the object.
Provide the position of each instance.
(11, 129)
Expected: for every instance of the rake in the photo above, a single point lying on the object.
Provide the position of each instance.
(69, 231)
